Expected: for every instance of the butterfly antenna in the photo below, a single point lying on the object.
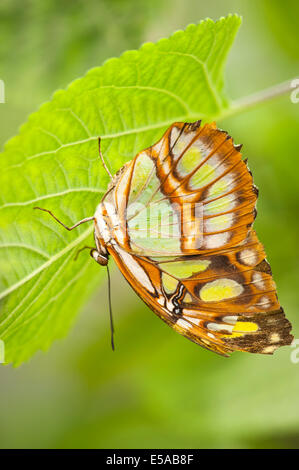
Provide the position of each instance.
(102, 159)
(110, 310)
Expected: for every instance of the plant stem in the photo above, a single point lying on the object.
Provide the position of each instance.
(256, 98)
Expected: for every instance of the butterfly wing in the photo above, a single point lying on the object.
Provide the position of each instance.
(145, 277)
(180, 217)
(232, 296)
(223, 301)
(189, 193)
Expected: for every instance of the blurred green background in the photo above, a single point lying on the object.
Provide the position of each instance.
(158, 389)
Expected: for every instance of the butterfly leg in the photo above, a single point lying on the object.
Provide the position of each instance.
(81, 249)
(103, 161)
(100, 258)
(87, 219)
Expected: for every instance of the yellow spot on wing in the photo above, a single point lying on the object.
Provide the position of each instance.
(241, 328)
(220, 222)
(220, 187)
(225, 203)
(189, 161)
(220, 289)
(169, 283)
(184, 269)
(188, 298)
(202, 176)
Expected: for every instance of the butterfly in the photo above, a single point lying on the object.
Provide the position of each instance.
(177, 220)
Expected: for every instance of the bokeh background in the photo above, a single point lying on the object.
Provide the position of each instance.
(158, 390)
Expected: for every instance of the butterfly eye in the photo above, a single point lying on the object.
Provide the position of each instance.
(101, 259)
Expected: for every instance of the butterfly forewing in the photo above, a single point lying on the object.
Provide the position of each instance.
(179, 217)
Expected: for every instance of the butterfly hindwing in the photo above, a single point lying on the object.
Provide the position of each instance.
(231, 295)
(224, 302)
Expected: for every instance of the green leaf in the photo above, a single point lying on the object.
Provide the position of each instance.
(54, 163)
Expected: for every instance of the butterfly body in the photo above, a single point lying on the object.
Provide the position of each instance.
(177, 219)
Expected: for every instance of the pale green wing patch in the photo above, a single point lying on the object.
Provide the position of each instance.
(169, 283)
(155, 232)
(190, 159)
(152, 228)
(140, 188)
(186, 268)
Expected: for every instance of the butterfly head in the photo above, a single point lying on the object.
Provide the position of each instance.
(100, 258)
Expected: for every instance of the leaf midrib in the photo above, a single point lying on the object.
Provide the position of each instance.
(108, 136)
(48, 263)
(52, 195)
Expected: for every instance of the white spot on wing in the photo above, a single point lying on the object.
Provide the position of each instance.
(195, 321)
(230, 319)
(274, 338)
(264, 302)
(220, 222)
(257, 279)
(249, 257)
(269, 349)
(220, 327)
(217, 240)
(184, 324)
(135, 269)
(179, 144)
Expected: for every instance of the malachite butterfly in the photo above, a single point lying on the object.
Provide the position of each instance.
(177, 219)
